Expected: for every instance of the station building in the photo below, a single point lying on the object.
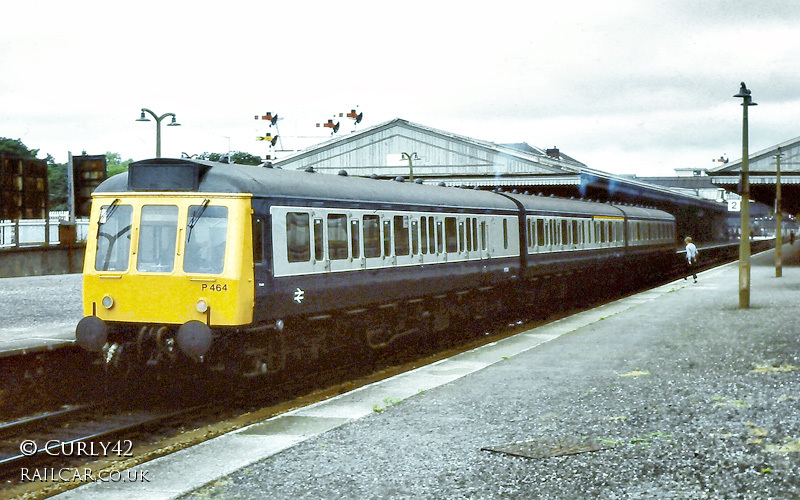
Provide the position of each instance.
(402, 150)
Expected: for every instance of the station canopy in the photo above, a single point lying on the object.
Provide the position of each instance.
(402, 149)
(763, 175)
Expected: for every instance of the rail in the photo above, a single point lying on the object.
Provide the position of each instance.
(37, 232)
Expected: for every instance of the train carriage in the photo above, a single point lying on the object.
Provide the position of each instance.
(194, 260)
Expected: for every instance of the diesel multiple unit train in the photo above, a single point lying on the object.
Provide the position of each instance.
(256, 270)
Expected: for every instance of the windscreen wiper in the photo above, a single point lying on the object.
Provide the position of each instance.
(196, 217)
(109, 212)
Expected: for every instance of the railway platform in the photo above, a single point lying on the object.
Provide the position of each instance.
(39, 313)
(672, 393)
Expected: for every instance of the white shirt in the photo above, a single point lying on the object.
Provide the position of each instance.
(691, 252)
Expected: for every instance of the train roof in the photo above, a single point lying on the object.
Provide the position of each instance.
(188, 175)
(539, 203)
(165, 174)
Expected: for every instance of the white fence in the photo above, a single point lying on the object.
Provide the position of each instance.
(37, 232)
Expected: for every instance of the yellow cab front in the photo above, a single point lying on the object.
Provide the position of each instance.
(167, 259)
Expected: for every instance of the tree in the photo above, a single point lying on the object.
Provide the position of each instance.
(57, 179)
(239, 157)
(115, 165)
(16, 147)
(57, 173)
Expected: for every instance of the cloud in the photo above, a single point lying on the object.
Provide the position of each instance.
(613, 85)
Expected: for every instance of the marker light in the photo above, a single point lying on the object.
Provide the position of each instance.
(107, 302)
(201, 306)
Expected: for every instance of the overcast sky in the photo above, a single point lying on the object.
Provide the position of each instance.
(629, 86)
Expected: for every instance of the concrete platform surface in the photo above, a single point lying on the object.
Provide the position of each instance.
(690, 396)
(39, 312)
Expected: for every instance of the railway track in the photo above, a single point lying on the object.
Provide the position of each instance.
(78, 434)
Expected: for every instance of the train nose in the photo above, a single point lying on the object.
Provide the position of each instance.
(91, 333)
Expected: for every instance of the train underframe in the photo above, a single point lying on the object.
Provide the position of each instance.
(359, 335)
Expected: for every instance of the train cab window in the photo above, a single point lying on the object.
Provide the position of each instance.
(206, 237)
(372, 236)
(451, 234)
(337, 236)
(401, 246)
(157, 237)
(355, 239)
(319, 240)
(113, 237)
(298, 237)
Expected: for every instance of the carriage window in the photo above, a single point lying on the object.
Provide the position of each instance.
(424, 228)
(415, 237)
(576, 236)
(157, 236)
(337, 236)
(401, 235)
(355, 239)
(432, 234)
(298, 237)
(451, 234)
(319, 248)
(564, 233)
(469, 234)
(440, 237)
(372, 236)
(460, 236)
(387, 238)
(540, 232)
(484, 238)
(531, 233)
(474, 234)
(113, 237)
(206, 234)
(258, 241)
(505, 233)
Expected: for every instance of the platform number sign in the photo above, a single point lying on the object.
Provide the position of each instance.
(734, 205)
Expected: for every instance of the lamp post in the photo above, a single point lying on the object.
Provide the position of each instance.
(744, 239)
(410, 157)
(778, 217)
(158, 119)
